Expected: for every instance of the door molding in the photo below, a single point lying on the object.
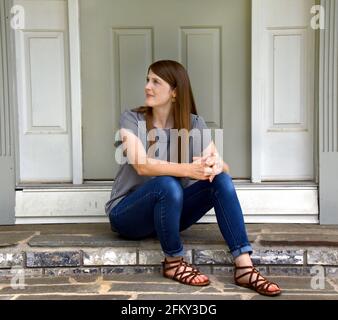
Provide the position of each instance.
(328, 111)
(257, 93)
(7, 126)
(75, 91)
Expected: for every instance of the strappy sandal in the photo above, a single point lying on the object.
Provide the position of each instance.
(260, 284)
(184, 275)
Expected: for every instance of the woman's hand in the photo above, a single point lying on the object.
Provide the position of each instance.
(199, 170)
(213, 165)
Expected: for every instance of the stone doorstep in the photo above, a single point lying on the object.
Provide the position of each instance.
(105, 261)
(281, 249)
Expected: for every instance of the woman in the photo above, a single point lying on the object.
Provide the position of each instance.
(155, 197)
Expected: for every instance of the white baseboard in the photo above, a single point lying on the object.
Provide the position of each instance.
(260, 204)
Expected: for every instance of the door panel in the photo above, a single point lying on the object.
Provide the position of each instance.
(43, 92)
(288, 64)
(120, 39)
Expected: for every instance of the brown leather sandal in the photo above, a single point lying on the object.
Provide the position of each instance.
(260, 285)
(184, 275)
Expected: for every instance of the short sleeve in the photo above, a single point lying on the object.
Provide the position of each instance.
(128, 120)
(200, 123)
(206, 133)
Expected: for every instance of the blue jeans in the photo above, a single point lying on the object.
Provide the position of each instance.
(162, 207)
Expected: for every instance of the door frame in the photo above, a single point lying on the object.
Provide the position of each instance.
(258, 94)
(7, 195)
(257, 91)
(76, 113)
(75, 90)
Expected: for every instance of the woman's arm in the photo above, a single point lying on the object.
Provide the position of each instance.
(146, 166)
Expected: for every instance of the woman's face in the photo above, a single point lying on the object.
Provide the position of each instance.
(158, 92)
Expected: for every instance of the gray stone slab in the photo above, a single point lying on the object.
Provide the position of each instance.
(275, 228)
(6, 297)
(109, 271)
(95, 240)
(278, 256)
(292, 284)
(34, 281)
(10, 259)
(109, 256)
(76, 228)
(10, 239)
(37, 289)
(188, 297)
(210, 289)
(212, 257)
(53, 259)
(74, 297)
(153, 257)
(322, 256)
(57, 272)
(229, 271)
(29, 273)
(84, 279)
(291, 239)
(289, 271)
(153, 287)
(331, 272)
(207, 233)
(138, 278)
(298, 296)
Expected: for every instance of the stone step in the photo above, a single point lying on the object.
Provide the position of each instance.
(54, 250)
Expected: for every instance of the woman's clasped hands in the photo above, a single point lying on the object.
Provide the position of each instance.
(208, 166)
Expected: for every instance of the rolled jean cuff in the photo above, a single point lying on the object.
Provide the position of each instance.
(244, 249)
(175, 253)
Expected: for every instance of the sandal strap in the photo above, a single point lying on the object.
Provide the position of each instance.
(255, 283)
(183, 275)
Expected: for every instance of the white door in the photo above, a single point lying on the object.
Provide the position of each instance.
(120, 39)
(43, 91)
(283, 83)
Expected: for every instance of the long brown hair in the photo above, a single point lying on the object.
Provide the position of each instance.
(177, 77)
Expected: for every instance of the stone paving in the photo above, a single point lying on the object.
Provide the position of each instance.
(88, 261)
(156, 287)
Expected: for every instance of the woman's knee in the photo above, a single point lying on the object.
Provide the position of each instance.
(224, 180)
(170, 186)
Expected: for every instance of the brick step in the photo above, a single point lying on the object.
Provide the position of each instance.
(54, 250)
